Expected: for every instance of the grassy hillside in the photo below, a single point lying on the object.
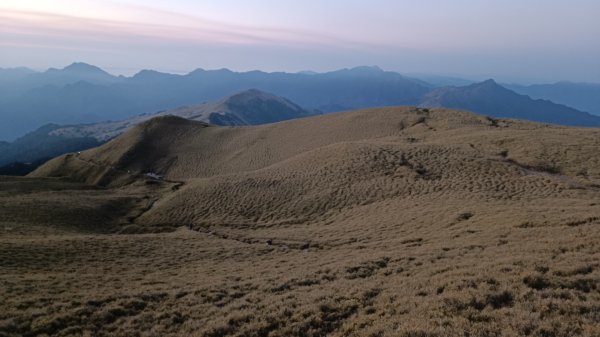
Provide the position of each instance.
(382, 222)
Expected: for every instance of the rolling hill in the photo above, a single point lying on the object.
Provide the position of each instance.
(388, 222)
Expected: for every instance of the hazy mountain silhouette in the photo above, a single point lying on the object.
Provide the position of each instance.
(74, 73)
(14, 74)
(82, 93)
(581, 96)
(490, 98)
(249, 107)
(437, 81)
(23, 79)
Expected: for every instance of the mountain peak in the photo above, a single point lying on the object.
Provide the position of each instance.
(149, 75)
(250, 94)
(81, 67)
(374, 69)
(487, 83)
(359, 71)
(145, 72)
(365, 70)
(253, 106)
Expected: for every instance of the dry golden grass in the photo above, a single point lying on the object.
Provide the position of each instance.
(384, 222)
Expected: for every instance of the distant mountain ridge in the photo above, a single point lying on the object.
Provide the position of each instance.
(490, 98)
(81, 93)
(581, 96)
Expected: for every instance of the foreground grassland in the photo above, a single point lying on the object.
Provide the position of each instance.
(390, 222)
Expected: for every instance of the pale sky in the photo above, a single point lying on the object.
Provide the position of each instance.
(510, 40)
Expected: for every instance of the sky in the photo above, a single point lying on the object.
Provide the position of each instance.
(511, 40)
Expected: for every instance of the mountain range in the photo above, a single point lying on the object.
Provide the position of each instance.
(581, 96)
(83, 93)
(73, 97)
(490, 98)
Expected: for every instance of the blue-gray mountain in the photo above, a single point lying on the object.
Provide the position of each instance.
(581, 96)
(83, 93)
(490, 98)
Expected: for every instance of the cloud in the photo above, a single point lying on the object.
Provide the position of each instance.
(135, 24)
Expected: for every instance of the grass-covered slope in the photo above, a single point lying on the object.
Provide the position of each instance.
(382, 222)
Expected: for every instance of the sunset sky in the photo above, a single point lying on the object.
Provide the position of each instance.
(511, 40)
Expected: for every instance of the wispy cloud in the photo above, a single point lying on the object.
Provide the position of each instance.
(137, 24)
(537, 36)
